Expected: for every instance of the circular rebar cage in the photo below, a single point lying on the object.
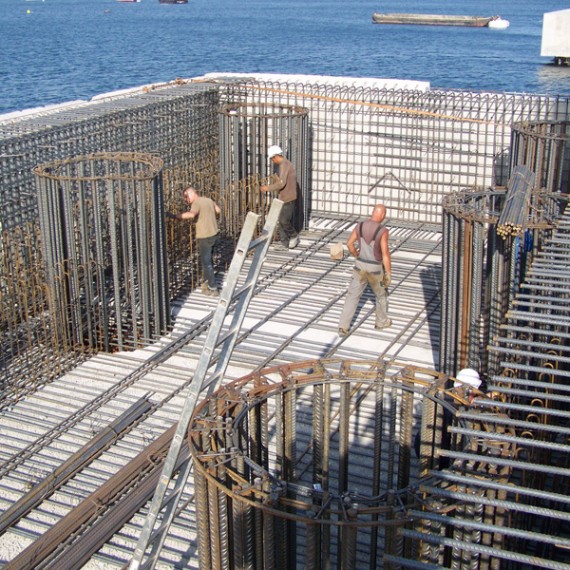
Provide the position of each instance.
(490, 237)
(310, 465)
(475, 204)
(544, 147)
(102, 227)
(247, 130)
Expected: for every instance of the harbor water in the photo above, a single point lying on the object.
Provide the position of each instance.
(63, 50)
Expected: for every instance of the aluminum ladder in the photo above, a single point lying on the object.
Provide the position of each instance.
(223, 344)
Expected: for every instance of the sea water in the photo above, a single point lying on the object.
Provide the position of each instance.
(53, 51)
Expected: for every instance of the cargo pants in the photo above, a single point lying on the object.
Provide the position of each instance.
(360, 279)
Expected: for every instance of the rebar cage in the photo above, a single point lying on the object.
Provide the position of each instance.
(246, 132)
(491, 238)
(410, 149)
(321, 463)
(103, 232)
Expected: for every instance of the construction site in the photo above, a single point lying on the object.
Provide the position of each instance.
(145, 424)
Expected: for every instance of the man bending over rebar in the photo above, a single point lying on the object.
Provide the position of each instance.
(204, 210)
(373, 267)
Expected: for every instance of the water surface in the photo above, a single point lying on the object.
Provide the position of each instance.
(61, 50)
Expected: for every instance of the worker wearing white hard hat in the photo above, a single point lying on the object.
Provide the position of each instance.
(274, 150)
(285, 184)
(467, 376)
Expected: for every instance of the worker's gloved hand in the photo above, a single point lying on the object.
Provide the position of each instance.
(386, 280)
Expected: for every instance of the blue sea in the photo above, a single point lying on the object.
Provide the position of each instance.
(52, 51)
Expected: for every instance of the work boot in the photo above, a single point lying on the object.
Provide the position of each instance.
(213, 292)
(384, 325)
(342, 332)
(293, 242)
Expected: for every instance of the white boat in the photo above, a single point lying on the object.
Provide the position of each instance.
(498, 23)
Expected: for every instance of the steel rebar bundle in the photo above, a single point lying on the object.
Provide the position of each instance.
(516, 209)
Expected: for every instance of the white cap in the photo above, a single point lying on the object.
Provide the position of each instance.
(468, 376)
(274, 151)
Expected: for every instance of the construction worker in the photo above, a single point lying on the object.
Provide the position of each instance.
(373, 267)
(466, 380)
(466, 385)
(286, 185)
(204, 210)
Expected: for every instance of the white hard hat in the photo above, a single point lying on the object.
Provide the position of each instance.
(274, 151)
(468, 376)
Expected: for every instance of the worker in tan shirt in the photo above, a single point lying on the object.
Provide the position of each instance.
(204, 210)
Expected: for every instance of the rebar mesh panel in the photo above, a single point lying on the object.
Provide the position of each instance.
(178, 123)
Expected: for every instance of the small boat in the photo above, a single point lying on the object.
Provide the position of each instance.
(432, 20)
(173, 1)
(128, 0)
(498, 23)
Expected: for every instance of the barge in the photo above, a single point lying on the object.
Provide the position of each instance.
(433, 20)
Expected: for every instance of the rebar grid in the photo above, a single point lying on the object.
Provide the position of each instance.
(177, 124)
(430, 118)
(503, 501)
(305, 471)
(434, 520)
(407, 149)
(527, 415)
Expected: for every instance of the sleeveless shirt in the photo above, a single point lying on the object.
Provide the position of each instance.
(367, 258)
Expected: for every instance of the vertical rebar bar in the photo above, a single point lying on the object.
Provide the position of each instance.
(377, 464)
(290, 446)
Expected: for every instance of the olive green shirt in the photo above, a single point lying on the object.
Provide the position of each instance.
(206, 223)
